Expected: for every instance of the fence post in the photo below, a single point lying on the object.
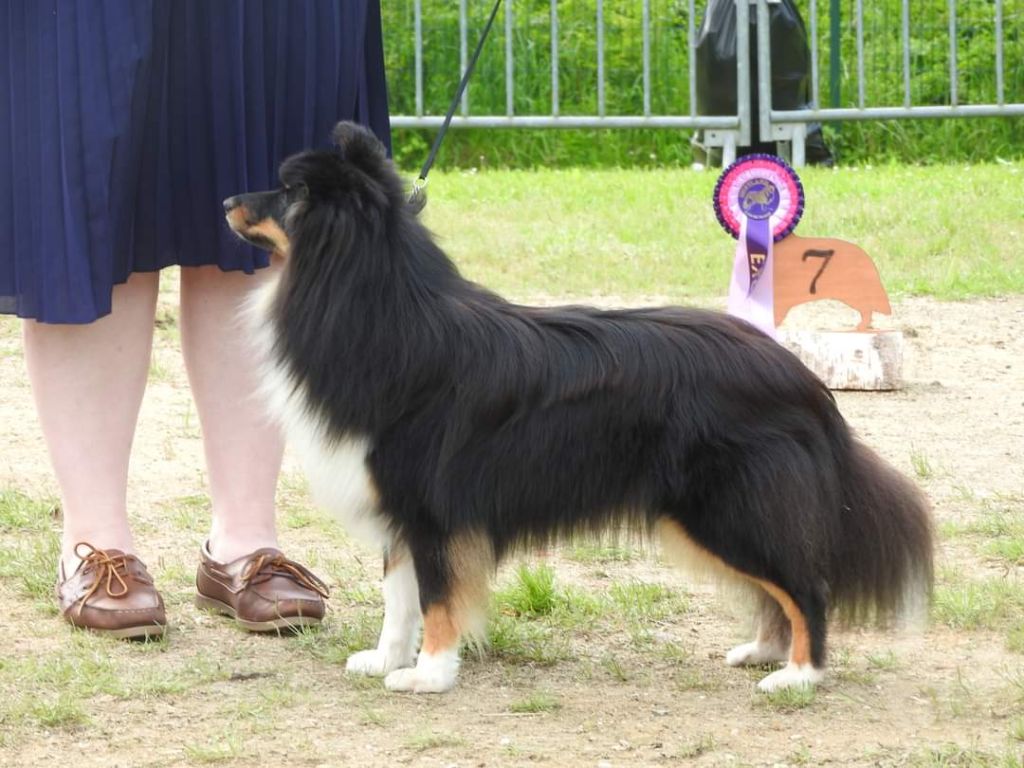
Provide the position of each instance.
(742, 72)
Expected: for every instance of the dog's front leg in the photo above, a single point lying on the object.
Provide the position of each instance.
(396, 648)
(453, 575)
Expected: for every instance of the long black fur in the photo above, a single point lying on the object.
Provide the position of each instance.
(526, 423)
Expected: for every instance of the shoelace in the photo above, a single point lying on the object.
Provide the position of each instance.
(266, 565)
(108, 570)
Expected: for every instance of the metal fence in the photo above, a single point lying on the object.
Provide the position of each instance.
(789, 127)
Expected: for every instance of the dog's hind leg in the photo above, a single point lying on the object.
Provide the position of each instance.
(453, 578)
(803, 608)
(396, 648)
(807, 615)
(772, 641)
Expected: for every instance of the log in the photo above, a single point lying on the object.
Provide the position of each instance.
(870, 360)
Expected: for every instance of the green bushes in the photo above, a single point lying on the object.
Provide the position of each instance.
(913, 141)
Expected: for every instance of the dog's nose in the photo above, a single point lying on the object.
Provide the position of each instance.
(230, 204)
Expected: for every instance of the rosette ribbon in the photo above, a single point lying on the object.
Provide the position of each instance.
(758, 200)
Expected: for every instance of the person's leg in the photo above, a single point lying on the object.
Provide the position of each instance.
(88, 382)
(243, 446)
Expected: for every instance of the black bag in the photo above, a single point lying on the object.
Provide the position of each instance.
(791, 68)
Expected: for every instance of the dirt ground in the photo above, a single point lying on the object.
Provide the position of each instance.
(944, 696)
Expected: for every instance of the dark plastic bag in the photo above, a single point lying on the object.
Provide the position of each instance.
(791, 67)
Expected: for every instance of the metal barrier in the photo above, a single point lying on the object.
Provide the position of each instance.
(727, 131)
(790, 126)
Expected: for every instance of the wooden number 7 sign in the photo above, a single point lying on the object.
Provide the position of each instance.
(813, 268)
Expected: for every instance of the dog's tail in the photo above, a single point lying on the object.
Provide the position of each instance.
(881, 567)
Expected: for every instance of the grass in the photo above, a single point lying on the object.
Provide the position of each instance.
(697, 747)
(957, 756)
(602, 554)
(218, 750)
(788, 699)
(20, 513)
(534, 619)
(429, 740)
(190, 513)
(537, 702)
(921, 464)
(533, 592)
(969, 604)
(578, 229)
(997, 531)
(29, 553)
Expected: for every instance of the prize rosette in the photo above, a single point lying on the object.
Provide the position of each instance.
(758, 200)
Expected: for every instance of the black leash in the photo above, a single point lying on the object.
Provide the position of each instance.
(418, 198)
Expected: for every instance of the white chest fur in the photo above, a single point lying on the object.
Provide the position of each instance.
(335, 465)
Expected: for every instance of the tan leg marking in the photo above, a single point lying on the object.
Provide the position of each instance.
(439, 630)
(678, 542)
(800, 645)
(471, 563)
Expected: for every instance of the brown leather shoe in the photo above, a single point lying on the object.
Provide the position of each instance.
(263, 591)
(111, 593)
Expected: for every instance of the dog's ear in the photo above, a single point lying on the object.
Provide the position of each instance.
(357, 144)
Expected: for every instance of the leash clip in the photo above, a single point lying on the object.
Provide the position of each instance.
(418, 198)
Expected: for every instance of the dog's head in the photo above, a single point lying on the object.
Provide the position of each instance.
(354, 179)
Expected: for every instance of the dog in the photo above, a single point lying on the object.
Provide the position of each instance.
(452, 428)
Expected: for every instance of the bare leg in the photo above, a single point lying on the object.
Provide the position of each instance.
(243, 447)
(88, 382)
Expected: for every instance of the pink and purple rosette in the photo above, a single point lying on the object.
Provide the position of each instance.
(758, 200)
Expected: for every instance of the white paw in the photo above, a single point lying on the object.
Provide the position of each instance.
(415, 681)
(375, 663)
(792, 676)
(750, 654)
(433, 673)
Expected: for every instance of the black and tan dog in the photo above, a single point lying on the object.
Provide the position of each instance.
(453, 427)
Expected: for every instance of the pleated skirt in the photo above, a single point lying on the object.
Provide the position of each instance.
(125, 123)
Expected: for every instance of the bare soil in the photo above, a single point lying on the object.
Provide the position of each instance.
(891, 699)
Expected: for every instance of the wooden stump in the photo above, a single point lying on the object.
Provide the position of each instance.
(850, 360)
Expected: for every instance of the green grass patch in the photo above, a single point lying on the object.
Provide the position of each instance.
(30, 564)
(532, 593)
(921, 463)
(536, 702)
(190, 513)
(58, 710)
(641, 601)
(218, 750)
(969, 604)
(998, 530)
(699, 746)
(602, 554)
(337, 639)
(788, 699)
(636, 233)
(427, 740)
(20, 513)
(534, 618)
(957, 756)
(886, 661)
(1015, 637)
(515, 640)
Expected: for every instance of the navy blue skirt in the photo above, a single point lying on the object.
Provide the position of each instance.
(129, 121)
